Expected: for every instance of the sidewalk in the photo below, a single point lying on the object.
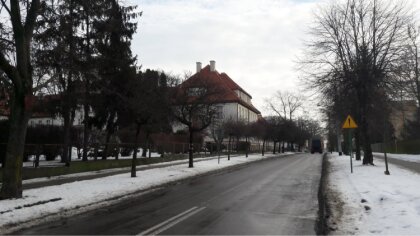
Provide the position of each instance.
(412, 166)
(389, 203)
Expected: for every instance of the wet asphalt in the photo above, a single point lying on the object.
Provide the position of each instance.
(275, 196)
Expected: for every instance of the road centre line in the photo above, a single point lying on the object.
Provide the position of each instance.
(171, 221)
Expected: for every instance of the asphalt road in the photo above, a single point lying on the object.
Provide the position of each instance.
(413, 166)
(276, 196)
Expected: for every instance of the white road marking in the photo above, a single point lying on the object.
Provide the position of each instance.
(171, 221)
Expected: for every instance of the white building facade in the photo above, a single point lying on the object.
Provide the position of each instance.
(235, 105)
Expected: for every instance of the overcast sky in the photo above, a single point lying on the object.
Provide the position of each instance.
(256, 42)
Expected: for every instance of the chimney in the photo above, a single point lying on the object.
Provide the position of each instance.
(198, 66)
(212, 65)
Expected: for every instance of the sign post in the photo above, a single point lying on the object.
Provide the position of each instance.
(349, 124)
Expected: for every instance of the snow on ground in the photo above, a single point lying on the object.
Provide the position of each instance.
(392, 201)
(110, 171)
(404, 157)
(83, 193)
(74, 157)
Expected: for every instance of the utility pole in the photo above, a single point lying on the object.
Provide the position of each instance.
(385, 138)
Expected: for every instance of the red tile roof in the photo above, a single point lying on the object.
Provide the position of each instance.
(40, 109)
(232, 85)
(223, 82)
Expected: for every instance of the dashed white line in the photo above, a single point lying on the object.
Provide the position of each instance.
(172, 221)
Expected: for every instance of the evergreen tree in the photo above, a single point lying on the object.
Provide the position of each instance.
(115, 64)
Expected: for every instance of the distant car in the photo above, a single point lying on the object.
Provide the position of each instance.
(316, 146)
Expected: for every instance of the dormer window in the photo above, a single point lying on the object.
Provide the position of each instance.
(196, 91)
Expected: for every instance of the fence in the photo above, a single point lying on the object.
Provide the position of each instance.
(399, 147)
(102, 150)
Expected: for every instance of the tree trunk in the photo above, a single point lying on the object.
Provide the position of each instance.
(190, 150)
(85, 129)
(21, 77)
(237, 144)
(86, 126)
(106, 148)
(218, 150)
(134, 160)
(263, 148)
(357, 139)
(117, 150)
(146, 145)
(274, 147)
(368, 156)
(150, 150)
(12, 171)
(229, 147)
(246, 146)
(110, 128)
(67, 132)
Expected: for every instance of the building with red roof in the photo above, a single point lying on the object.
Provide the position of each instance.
(233, 102)
(44, 111)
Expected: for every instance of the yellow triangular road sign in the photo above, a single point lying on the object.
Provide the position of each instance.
(349, 123)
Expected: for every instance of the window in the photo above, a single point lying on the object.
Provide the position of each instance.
(48, 122)
(219, 112)
(196, 91)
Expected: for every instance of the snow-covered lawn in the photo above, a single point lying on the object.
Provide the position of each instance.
(404, 157)
(373, 203)
(57, 161)
(113, 170)
(41, 202)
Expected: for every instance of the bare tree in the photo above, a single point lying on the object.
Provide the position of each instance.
(194, 105)
(285, 104)
(355, 50)
(218, 134)
(233, 129)
(15, 62)
(410, 71)
(260, 130)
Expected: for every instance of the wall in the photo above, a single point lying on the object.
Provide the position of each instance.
(400, 113)
(57, 120)
(230, 111)
(243, 96)
(399, 147)
(246, 114)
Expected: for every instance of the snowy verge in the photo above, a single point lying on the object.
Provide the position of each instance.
(76, 196)
(370, 202)
(111, 170)
(403, 157)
